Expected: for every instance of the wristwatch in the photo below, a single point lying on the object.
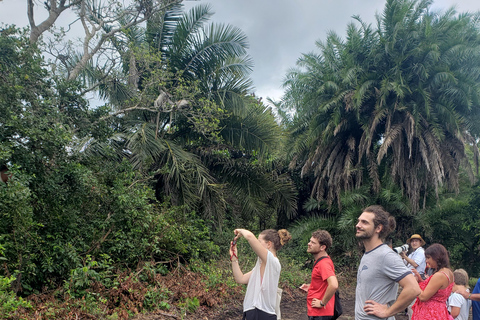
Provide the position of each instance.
(321, 303)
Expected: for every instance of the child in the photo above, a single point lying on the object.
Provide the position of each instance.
(458, 306)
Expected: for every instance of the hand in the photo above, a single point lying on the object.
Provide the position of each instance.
(403, 255)
(463, 292)
(316, 303)
(417, 275)
(374, 308)
(233, 249)
(238, 233)
(305, 287)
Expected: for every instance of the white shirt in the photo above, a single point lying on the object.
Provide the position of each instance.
(263, 294)
(419, 257)
(457, 300)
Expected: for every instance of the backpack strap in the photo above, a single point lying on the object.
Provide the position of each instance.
(319, 260)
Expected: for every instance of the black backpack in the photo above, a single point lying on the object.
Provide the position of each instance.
(337, 309)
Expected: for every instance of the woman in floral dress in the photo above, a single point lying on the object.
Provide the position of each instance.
(431, 303)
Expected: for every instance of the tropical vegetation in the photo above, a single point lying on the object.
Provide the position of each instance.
(126, 163)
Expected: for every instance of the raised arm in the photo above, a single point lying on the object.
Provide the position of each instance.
(237, 272)
(257, 247)
(410, 261)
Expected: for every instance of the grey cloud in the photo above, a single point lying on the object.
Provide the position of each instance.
(279, 31)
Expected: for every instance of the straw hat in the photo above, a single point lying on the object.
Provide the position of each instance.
(416, 236)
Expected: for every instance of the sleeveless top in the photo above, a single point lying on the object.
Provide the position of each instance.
(434, 308)
(262, 293)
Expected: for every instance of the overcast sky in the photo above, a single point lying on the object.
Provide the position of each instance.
(279, 31)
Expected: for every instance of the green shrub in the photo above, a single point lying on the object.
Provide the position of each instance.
(472, 283)
(157, 297)
(189, 305)
(9, 302)
(293, 274)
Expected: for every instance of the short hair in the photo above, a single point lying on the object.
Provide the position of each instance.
(439, 254)
(460, 277)
(278, 238)
(383, 218)
(323, 237)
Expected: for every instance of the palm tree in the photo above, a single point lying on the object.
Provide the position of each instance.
(188, 118)
(392, 103)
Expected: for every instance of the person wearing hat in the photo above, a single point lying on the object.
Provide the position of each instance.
(415, 260)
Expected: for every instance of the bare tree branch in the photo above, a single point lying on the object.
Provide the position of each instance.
(98, 25)
(55, 8)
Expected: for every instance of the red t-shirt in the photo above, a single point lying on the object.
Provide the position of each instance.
(318, 285)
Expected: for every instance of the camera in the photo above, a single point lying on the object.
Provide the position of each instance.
(401, 249)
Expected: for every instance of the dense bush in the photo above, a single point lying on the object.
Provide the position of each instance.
(93, 214)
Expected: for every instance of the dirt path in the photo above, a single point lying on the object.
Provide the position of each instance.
(293, 307)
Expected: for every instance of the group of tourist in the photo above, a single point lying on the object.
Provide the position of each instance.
(430, 290)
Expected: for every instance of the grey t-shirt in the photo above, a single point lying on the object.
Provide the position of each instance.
(377, 279)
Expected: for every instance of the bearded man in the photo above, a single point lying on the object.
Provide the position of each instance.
(321, 289)
(381, 270)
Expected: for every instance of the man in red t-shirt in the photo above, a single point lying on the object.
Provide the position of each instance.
(321, 290)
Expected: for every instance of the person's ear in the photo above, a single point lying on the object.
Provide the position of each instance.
(270, 244)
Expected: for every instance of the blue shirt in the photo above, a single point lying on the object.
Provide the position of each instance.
(476, 304)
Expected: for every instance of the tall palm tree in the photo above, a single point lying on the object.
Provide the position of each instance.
(392, 103)
(188, 118)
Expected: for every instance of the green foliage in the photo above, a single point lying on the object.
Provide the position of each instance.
(393, 103)
(188, 108)
(344, 251)
(294, 273)
(216, 274)
(472, 282)
(157, 298)
(181, 154)
(9, 302)
(189, 305)
(184, 233)
(454, 223)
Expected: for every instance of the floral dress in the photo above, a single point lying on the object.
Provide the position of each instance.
(434, 308)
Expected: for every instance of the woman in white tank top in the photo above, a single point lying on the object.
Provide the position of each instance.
(262, 280)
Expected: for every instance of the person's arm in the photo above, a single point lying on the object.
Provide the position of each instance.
(410, 261)
(237, 272)
(332, 286)
(454, 311)
(409, 292)
(455, 303)
(436, 283)
(417, 275)
(260, 250)
(474, 296)
(468, 295)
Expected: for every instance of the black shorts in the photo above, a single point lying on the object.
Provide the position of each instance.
(320, 318)
(256, 314)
